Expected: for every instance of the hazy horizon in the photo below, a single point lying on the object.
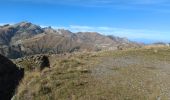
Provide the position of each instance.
(138, 20)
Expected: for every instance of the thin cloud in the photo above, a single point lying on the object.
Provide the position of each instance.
(1, 24)
(97, 2)
(160, 6)
(133, 34)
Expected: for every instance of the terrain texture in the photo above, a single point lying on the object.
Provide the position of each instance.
(56, 64)
(25, 38)
(132, 74)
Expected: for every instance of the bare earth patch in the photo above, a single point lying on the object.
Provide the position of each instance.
(133, 76)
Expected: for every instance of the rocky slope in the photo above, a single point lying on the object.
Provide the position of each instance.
(28, 39)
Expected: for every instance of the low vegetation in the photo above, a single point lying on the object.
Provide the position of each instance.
(67, 78)
(133, 74)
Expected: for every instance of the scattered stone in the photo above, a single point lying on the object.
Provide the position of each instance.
(36, 62)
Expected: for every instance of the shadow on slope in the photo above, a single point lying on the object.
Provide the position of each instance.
(10, 76)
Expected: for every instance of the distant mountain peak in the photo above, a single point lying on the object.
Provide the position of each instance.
(23, 23)
(25, 38)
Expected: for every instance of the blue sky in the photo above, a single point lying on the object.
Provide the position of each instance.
(139, 20)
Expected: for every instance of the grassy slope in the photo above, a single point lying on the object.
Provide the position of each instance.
(140, 74)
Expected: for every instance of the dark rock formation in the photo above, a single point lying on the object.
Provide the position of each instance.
(44, 62)
(10, 76)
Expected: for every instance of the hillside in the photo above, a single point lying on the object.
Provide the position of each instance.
(25, 38)
(133, 74)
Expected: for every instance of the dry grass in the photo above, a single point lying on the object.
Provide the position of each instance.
(134, 74)
(66, 78)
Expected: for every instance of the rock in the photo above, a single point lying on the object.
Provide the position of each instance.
(44, 62)
(10, 75)
(31, 63)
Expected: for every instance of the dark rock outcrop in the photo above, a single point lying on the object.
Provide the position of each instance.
(10, 76)
(44, 62)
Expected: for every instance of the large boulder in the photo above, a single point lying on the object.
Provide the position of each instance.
(10, 76)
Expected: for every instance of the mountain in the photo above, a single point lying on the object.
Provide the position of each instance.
(26, 38)
(12, 35)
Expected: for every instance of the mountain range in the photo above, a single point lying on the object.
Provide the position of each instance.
(25, 38)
